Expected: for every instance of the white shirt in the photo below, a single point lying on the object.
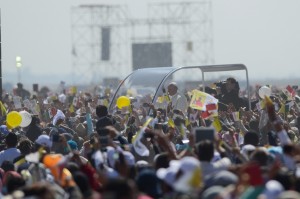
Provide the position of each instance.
(179, 102)
(9, 155)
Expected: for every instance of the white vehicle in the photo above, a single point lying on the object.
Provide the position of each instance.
(148, 84)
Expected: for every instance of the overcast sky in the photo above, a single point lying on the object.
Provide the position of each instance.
(262, 34)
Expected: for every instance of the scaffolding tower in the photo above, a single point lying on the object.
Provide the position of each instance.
(187, 25)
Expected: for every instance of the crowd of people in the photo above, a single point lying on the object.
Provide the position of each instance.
(76, 147)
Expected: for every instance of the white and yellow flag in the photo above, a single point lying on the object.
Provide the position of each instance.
(138, 146)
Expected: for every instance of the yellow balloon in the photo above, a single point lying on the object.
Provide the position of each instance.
(8, 127)
(123, 101)
(13, 119)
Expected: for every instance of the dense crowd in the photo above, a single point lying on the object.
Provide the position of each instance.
(207, 143)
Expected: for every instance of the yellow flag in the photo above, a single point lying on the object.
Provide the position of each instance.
(182, 131)
(171, 123)
(187, 122)
(143, 128)
(282, 108)
(160, 100)
(19, 162)
(167, 98)
(71, 109)
(216, 124)
(3, 109)
(105, 102)
(196, 179)
(73, 90)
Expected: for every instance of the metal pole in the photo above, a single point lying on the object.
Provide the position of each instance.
(0, 61)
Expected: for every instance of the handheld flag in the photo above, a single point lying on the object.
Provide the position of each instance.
(138, 146)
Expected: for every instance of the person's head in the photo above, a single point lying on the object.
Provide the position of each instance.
(7, 166)
(25, 146)
(285, 177)
(35, 120)
(11, 140)
(251, 138)
(40, 190)
(172, 88)
(119, 189)
(44, 141)
(260, 156)
(13, 181)
(101, 111)
(83, 183)
(232, 84)
(253, 125)
(161, 161)
(148, 183)
(20, 85)
(205, 150)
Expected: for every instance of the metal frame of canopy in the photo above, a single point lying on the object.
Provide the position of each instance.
(204, 69)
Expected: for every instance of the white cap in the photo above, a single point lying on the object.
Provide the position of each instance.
(167, 175)
(186, 164)
(246, 149)
(44, 140)
(189, 167)
(273, 189)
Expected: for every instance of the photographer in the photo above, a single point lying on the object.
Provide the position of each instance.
(228, 93)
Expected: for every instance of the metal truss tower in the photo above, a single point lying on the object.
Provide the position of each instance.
(88, 22)
(187, 25)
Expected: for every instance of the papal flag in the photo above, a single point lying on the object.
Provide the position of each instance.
(203, 101)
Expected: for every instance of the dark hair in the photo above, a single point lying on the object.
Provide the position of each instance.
(285, 178)
(7, 166)
(14, 182)
(288, 148)
(25, 146)
(236, 83)
(35, 120)
(161, 161)
(205, 150)
(101, 111)
(20, 85)
(260, 156)
(83, 183)
(251, 138)
(253, 125)
(72, 167)
(147, 182)
(117, 188)
(40, 190)
(11, 140)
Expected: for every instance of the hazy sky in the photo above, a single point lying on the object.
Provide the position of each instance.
(262, 34)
